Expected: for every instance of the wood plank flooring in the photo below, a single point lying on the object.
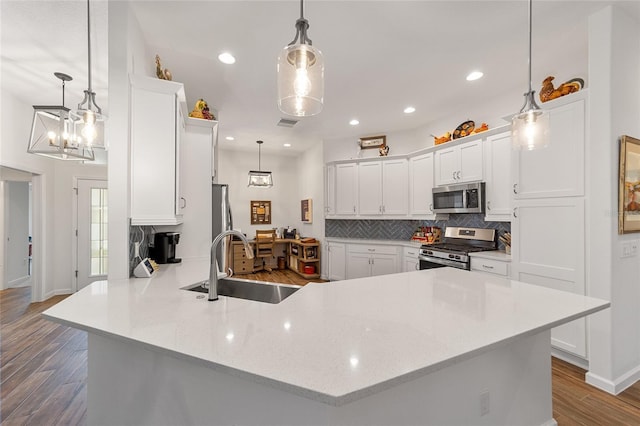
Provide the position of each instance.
(43, 371)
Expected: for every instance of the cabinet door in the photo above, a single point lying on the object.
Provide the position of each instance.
(410, 259)
(337, 262)
(154, 163)
(548, 250)
(498, 177)
(180, 202)
(470, 162)
(447, 166)
(346, 189)
(558, 169)
(420, 185)
(383, 264)
(358, 265)
(370, 188)
(330, 190)
(395, 187)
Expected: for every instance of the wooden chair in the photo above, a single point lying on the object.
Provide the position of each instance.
(265, 240)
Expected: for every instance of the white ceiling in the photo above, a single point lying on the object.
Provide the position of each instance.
(380, 56)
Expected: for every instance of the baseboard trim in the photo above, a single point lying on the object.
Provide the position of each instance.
(571, 359)
(551, 422)
(18, 282)
(57, 293)
(616, 386)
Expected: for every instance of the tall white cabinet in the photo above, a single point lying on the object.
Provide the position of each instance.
(420, 186)
(548, 223)
(346, 187)
(158, 109)
(497, 177)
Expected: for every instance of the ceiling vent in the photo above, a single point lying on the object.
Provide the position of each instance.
(286, 122)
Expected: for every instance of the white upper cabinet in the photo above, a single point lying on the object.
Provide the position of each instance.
(497, 154)
(383, 188)
(330, 190)
(459, 164)
(346, 189)
(420, 185)
(157, 127)
(558, 169)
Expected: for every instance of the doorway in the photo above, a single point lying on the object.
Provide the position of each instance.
(16, 232)
(91, 231)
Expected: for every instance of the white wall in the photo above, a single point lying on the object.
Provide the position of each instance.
(233, 170)
(127, 54)
(311, 185)
(614, 67)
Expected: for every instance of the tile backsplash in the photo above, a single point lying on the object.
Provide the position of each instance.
(142, 234)
(403, 229)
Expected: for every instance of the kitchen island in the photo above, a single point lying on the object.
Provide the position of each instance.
(440, 346)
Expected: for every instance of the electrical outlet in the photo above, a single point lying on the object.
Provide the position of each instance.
(629, 249)
(485, 403)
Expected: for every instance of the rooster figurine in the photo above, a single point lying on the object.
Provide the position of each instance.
(548, 92)
(201, 110)
(162, 74)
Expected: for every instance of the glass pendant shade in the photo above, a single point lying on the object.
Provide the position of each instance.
(300, 80)
(530, 129)
(53, 135)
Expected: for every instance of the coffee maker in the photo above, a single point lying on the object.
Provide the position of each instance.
(164, 247)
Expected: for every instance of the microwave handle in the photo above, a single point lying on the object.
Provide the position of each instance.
(464, 198)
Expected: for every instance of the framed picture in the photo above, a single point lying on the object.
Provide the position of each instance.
(306, 211)
(373, 142)
(629, 186)
(260, 212)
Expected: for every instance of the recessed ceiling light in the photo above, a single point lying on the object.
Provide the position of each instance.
(474, 75)
(230, 138)
(409, 110)
(287, 145)
(354, 122)
(226, 58)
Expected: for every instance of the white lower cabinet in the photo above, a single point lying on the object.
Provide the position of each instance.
(364, 260)
(549, 250)
(410, 260)
(336, 261)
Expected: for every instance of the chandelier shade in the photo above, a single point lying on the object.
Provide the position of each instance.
(530, 127)
(300, 74)
(53, 132)
(259, 178)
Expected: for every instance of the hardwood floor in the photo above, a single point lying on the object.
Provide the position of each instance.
(43, 371)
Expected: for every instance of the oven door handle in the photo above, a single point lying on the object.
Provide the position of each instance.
(445, 262)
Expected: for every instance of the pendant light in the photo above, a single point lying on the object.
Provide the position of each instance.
(52, 132)
(300, 74)
(88, 117)
(530, 127)
(258, 178)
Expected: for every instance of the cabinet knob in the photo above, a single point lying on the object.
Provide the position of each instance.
(458, 175)
(515, 188)
(184, 205)
(488, 205)
(431, 206)
(354, 209)
(514, 212)
(487, 266)
(453, 175)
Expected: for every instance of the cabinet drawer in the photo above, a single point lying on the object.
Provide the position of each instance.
(372, 249)
(410, 252)
(491, 266)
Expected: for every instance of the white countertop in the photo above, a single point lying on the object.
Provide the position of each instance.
(332, 342)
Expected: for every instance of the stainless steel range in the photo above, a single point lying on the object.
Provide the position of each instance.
(457, 244)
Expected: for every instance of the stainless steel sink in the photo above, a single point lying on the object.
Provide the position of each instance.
(259, 291)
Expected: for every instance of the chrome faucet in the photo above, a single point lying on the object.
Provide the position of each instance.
(213, 268)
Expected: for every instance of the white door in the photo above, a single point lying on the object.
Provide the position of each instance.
(358, 265)
(91, 232)
(383, 264)
(330, 191)
(447, 166)
(498, 177)
(337, 265)
(470, 162)
(346, 188)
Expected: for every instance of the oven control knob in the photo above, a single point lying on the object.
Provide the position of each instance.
(429, 252)
(451, 256)
(457, 257)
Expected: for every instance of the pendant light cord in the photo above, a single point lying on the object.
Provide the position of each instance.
(530, 37)
(89, 42)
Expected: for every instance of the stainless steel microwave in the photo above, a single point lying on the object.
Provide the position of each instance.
(466, 198)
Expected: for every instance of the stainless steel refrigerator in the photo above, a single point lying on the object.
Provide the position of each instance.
(221, 221)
